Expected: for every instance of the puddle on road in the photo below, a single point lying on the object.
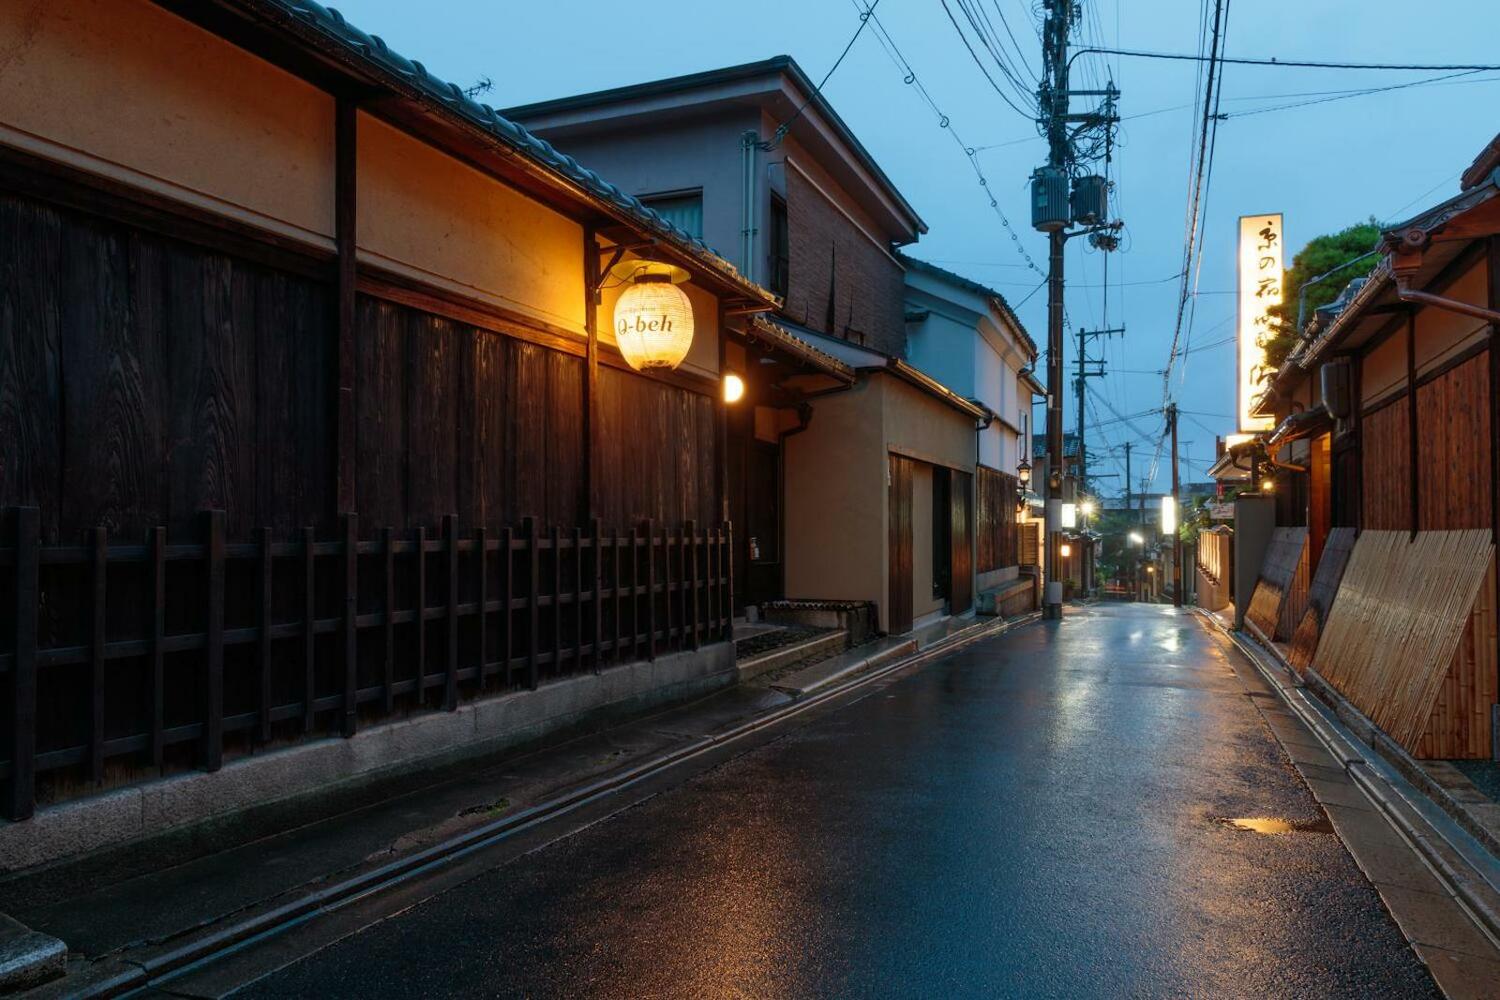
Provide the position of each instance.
(1272, 826)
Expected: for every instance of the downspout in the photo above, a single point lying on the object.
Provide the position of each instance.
(749, 143)
(1406, 294)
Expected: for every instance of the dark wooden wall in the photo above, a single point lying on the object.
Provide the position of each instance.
(995, 524)
(961, 542)
(1453, 424)
(899, 577)
(1386, 463)
(144, 380)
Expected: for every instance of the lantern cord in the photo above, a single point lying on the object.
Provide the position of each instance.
(784, 127)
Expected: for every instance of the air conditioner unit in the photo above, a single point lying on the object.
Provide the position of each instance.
(1334, 376)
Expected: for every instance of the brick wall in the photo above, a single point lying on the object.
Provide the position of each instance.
(830, 255)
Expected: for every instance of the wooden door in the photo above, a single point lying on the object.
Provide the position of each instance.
(899, 577)
(960, 534)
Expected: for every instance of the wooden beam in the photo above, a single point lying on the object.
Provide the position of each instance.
(587, 506)
(1411, 420)
(1492, 273)
(346, 157)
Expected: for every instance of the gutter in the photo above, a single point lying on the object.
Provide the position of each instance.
(931, 386)
(1406, 294)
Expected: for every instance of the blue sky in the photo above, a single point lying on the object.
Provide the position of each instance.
(1325, 165)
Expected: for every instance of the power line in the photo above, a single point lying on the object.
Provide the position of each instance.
(1292, 64)
(781, 130)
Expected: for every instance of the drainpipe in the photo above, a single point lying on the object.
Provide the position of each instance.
(749, 143)
(1439, 302)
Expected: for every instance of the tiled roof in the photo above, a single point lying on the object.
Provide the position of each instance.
(372, 50)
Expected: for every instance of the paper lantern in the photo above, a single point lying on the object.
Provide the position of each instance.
(653, 324)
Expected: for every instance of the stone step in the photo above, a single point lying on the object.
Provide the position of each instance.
(785, 656)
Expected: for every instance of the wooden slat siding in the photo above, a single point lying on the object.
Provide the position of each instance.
(533, 591)
(158, 629)
(597, 637)
(1398, 623)
(419, 578)
(1320, 596)
(482, 601)
(264, 701)
(1459, 727)
(899, 575)
(99, 538)
(591, 264)
(213, 689)
(450, 660)
(21, 801)
(388, 621)
(995, 520)
(650, 533)
(961, 552)
(669, 582)
(1413, 462)
(692, 555)
(711, 578)
(381, 402)
(309, 636)
(1454, 487)
(507, 596)
(1385, 487)
(350, 628)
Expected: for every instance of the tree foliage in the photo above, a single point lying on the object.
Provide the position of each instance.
(1321, 254)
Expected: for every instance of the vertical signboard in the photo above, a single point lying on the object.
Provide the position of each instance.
(1260, 270)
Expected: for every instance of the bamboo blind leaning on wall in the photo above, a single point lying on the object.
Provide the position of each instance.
(1320, 595)
(1396, 638)
(1282, 586)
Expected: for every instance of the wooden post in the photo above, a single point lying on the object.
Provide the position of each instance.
(507, 595)
(668, 584)
(533, 570)
(690, 553)
(619, 574)
(650, 528)
(598, 564)
(450, 673)
(157, 554)
(556, 600)
(351, 626)
(263, 727)
(100, 567)
(421, 575)
(346, 158)
(21, 801)
(728, 580)
(388, 668)
(482, 562)
(578, 598)
(309, 637)
(1411, 419)
(213, 688)
(591, 378)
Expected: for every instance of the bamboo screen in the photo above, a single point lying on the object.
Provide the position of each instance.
(1320, 595)
(1390, 644)
(1283, 578)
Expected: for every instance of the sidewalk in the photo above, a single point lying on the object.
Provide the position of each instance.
(112, 927)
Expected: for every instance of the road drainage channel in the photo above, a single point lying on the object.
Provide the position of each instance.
(155, 971)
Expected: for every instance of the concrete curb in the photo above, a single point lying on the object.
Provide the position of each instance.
(28, 958)
(1464, 883)
(788, 655)
(821, 675)
(216, 942)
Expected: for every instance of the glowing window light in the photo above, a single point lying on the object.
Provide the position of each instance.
(1168, 515)
(1070, 515)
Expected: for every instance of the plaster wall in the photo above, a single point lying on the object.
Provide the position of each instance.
(1441, 334)
(1383, 370)
(835, 509)
(123, 88)
(920, 426)
(426, 213)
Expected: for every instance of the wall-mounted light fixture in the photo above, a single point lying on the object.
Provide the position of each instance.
(1066, 550)
(653, 317)
(1023, 472)
(734, 388)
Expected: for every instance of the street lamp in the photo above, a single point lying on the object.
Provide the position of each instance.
(1136, 538)
(1023, 472)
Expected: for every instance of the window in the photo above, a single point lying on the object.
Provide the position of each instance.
(779, 243)
(685, 211)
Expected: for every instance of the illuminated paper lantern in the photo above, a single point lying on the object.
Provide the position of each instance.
(653, 324)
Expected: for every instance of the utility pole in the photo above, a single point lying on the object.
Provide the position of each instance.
(1061, 196)
(1176, 492)
(1127, 477)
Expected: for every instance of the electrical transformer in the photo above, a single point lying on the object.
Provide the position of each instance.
(1049, 199)
(1090, 202)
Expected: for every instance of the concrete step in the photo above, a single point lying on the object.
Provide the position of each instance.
(784, 656)
(872, 654)
(28, 958)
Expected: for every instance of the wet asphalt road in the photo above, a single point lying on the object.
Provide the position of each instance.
(1036, 815)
